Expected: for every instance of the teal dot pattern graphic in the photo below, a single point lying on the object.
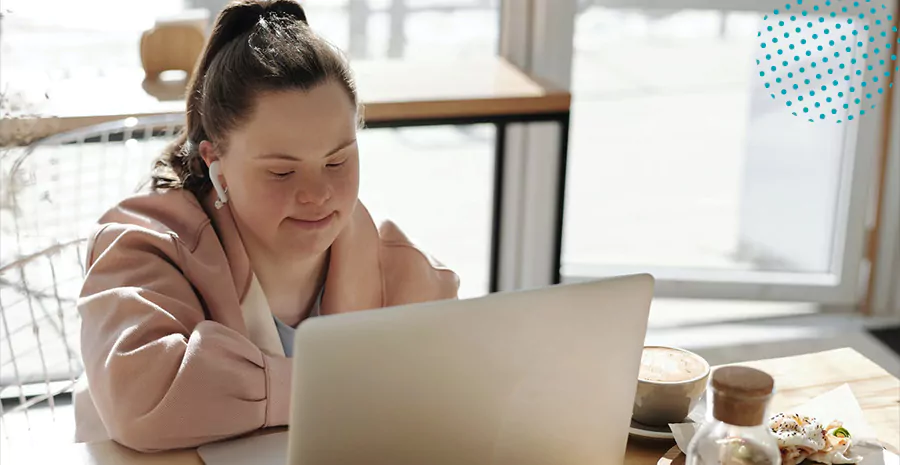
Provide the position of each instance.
(828, 60)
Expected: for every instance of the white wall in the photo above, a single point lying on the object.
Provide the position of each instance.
(895, 306)
(886, 296)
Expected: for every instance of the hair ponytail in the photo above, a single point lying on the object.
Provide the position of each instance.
(255, 46)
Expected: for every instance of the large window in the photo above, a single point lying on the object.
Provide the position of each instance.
(681, 162)
(660, 129)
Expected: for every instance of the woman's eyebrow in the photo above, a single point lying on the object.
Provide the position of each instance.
(284, 156)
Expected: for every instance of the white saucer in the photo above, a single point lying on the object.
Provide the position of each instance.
(652, 432)
(665, 432)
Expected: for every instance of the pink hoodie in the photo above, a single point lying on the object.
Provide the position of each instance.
(179, 344)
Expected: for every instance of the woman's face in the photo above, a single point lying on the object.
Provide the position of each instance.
(292, 170)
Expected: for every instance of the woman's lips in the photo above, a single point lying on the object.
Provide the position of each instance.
(312, 224)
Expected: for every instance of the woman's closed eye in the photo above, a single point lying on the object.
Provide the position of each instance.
(281, 174)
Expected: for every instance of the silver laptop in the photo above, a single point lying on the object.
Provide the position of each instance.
(545, 376)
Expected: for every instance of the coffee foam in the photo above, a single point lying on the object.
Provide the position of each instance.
(663, 364)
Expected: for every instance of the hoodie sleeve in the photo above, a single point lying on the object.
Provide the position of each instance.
(160, 374)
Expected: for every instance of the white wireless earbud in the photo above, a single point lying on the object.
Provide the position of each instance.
(215, 171)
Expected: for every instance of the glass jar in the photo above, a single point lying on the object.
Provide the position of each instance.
(735, 431)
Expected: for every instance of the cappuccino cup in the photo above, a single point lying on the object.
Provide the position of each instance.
(670, 382)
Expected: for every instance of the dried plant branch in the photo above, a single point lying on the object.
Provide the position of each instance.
(14, 107)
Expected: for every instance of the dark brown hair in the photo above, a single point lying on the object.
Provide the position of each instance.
(256, 46)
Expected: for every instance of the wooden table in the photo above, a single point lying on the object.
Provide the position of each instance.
(395, 93)
(798, 379)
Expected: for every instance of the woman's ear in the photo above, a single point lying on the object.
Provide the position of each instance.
(208, 152)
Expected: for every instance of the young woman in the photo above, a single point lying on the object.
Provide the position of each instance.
(253, 225)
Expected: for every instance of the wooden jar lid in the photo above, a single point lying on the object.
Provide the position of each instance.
(741, 395)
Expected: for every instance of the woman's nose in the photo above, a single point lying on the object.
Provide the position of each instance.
(313, 190)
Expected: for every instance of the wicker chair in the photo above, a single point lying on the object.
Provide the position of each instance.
(53, 192)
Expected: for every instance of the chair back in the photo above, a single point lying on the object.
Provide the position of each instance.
(53, 193)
